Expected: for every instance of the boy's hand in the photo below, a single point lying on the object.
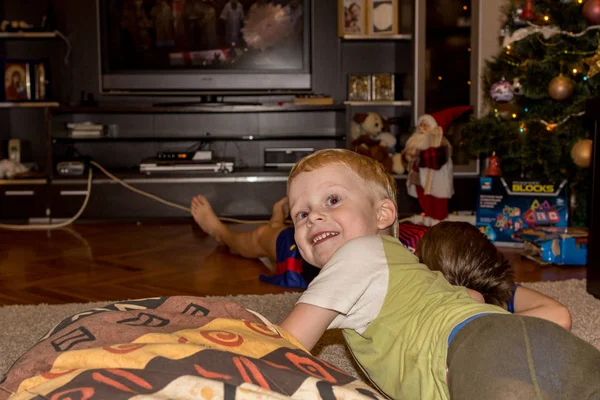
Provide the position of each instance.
(307, 323)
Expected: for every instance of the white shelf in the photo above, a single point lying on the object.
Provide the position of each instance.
(28, 35)
(32, 104)
(402, 103)
(406, 36)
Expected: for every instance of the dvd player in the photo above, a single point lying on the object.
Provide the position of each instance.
(205, 155)
(158, 165)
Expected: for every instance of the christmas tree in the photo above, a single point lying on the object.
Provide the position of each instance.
(537, 88)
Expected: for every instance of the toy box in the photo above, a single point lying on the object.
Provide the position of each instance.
(506, 207)
(551, 245)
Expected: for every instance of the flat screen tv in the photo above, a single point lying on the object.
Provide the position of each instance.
(204, 46)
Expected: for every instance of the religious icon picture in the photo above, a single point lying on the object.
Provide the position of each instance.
(17, 84)
(351, 17)
(383, 17)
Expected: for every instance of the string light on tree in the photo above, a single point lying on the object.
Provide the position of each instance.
(522, 128)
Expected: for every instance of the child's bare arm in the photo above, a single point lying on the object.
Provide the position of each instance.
(307, 323)
(535, 304)
(475, 295)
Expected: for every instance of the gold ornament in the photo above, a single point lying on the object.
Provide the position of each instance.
(594, 63)
(560, 87)
(581, 153)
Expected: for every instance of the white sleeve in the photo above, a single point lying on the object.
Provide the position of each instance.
(354, 283)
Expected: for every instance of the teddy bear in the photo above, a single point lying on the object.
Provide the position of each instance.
(375, 126)
(367, 146)
(371, 137)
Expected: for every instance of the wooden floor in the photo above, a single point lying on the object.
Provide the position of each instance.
(115, 261)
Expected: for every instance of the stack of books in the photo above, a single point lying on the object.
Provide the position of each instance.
(85, 130)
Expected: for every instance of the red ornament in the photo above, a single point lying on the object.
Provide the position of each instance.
(527, 14)
(493, 168)
(591, 12)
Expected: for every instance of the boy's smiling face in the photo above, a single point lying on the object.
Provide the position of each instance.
(330, 206)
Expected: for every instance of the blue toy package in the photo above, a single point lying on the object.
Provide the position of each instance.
(506, 207)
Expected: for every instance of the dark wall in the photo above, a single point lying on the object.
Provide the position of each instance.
(78, 20)
(332, 59)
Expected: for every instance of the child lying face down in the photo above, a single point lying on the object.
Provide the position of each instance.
(414, 334)
(466, 257)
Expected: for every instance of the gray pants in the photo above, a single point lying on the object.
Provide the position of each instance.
(514, 357)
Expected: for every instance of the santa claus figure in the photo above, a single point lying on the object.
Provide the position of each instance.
(427, 157)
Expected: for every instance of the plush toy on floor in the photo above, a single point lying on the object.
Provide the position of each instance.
(427, 158)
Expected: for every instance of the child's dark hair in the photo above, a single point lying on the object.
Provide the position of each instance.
(466, 257)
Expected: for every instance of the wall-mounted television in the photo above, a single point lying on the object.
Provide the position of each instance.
(204, 46)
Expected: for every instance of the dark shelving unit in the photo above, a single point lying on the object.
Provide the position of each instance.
(208, 108)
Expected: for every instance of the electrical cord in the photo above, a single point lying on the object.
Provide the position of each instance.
(44, 227)
(67, 42)
(124, 184)
(167, 202)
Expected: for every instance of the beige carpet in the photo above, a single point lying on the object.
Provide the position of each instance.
(24, 325)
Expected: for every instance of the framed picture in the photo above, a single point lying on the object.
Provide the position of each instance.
(382, 17)
(382, 86)
(352, 17)
(359, 87)
(41, 83)
(17, 81)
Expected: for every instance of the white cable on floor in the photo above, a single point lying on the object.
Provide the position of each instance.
(167, 202)
(34, 227)
(45, 227)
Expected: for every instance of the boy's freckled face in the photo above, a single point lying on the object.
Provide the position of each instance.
(330, 206)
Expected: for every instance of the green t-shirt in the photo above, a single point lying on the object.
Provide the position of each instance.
(395, 313)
